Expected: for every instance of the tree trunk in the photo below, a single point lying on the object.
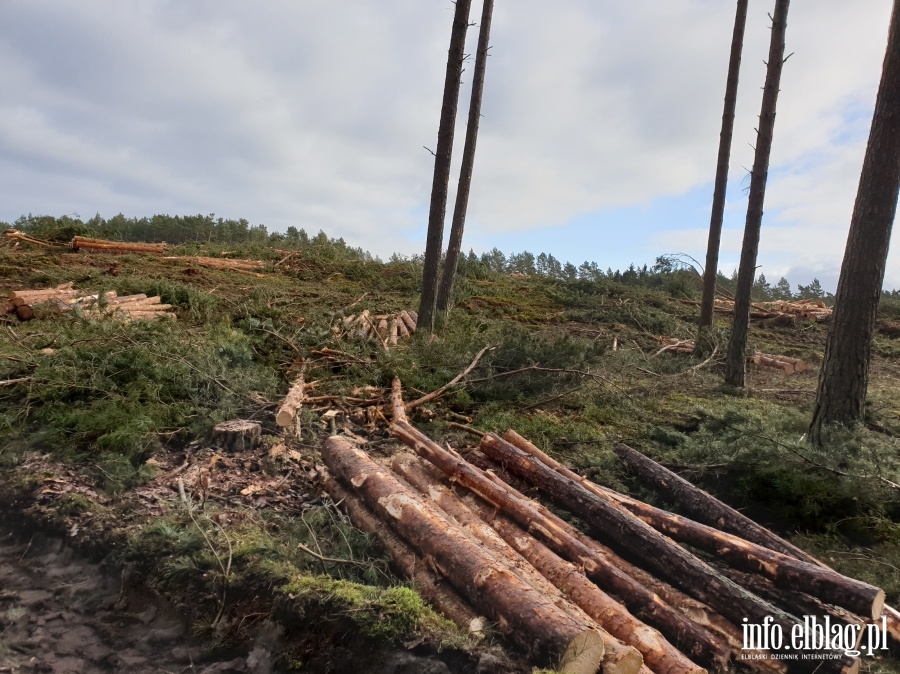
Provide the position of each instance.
(474, 573)
(718, 205)
(617, 659)
(690, 637)
(697, 611)
(736, 360)
(448, 278)
(707, 508)
(287, 412)
(432, 587)
(703, 506)
(642, 542)
(844, 377)
(442, 155)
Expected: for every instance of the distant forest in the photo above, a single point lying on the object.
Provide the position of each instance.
(673, 273)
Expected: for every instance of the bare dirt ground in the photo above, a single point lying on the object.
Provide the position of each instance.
(62, 614)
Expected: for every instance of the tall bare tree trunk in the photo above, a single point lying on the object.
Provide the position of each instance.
(442, 156)
(735, 364)
(844, 376)
(718, 205)
(445, 292)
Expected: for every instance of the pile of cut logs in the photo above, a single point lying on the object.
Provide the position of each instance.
(638, 590)
(103, 246)
(386, 329)
(784, 363)
(64, 298)
(812, 310)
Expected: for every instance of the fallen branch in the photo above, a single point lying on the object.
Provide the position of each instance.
(453, 382)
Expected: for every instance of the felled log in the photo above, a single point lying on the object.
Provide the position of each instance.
(287, 412)
(15, 235)
(783, 363)
(697, 611)
(431, 586)
(238, 435)
(785, 571)
(690, 637)
(392, 331)
(563, 575)
(221, 263)
(24, 312)
(466, 565)
(85, 243)
(707, 508)
(617, 659)
(408, 321)
(634, 536)
(724, 639)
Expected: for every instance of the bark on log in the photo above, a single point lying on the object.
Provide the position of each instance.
(707, 508)
(291, 403)
(408, 321)
(638, 539)
(474, 573)
(432, 587)
(695, 641)
(784, 571)
(392, 331)
(661, 656)
(697, 611)
(237, 435)
(402, 331)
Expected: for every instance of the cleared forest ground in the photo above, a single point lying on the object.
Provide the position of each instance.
(100, 418)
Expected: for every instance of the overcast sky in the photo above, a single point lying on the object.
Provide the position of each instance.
(598, 140)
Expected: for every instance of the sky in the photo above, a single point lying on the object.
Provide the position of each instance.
(598, 138)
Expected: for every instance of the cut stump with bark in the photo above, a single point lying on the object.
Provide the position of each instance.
(238, 435)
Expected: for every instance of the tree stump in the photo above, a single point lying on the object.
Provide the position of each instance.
(237, 435)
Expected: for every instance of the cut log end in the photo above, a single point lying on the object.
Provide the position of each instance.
(584, 654)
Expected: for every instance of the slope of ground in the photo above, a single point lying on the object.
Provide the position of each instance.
(101, 421)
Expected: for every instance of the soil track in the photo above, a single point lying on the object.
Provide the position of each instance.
(62, 614)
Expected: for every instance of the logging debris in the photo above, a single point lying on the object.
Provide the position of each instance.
(387, 330)
(64, 298)
(664, 609)
(248, 266)
(786, 364)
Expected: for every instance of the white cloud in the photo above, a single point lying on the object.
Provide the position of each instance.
(314, 113)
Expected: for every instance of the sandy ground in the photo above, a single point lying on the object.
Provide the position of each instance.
(62, 614)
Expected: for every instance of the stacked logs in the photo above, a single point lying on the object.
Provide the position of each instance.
(811, 310)
(64, 298)
(640, 590)
(385, 329)
(103, 246)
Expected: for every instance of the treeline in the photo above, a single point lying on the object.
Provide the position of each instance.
(669, 273)
(177, 230)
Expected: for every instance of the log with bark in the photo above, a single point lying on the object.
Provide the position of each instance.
(438, 592)
(697, 611)
(635, 538)
(783, 570)
(707, 508)
(694, 640)
(644, 641)
(292, 402)
(101, 245)
(479, 576)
